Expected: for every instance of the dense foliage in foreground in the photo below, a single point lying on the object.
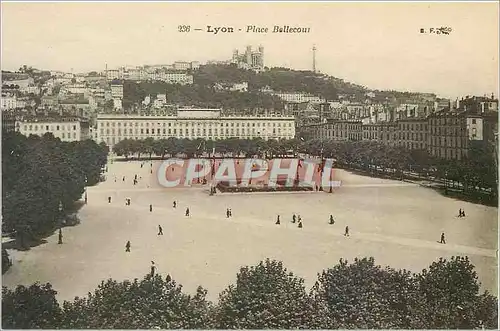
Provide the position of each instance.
(37, 174)
(357, 295)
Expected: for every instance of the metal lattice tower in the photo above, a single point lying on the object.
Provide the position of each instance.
(314, 58)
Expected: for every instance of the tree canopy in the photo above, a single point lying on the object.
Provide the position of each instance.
(40, 172)
(358, 295)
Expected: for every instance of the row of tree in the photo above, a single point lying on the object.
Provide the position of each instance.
(197, 147)
(40, 175)
(476, 171)
(359, 295)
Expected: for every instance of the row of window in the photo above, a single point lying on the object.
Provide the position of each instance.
(378, 136)
(412, 145)
(412, 136)
(62, 135)
(136, 131)
(344, 127)
(370, 128)
(448, 153)
(448, 131)
(343, 134)
(444, 142)
(413, 126)
(447, 121)
(205, 124)
(114, 140)
(31, 127)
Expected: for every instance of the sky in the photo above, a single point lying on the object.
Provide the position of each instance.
(378, 45)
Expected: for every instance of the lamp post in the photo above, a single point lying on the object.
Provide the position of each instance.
(60, 230)
(446, 182)
(86, 189)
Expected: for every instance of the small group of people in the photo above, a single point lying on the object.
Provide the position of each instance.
(229, 213)
(295, 218)
(127, 201)
(461, 213)
(187, 213)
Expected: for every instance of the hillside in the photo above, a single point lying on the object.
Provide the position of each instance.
(278, 79)
(202, 92)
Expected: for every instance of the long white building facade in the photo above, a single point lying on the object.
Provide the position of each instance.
(192, 124)
(67, 128)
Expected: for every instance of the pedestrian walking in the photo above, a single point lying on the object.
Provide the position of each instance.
(230, 213)
(150, 208)
(127, 246)
(300, 219)
(60, 237)
(278, 220)
(300, 224)
(187, 211)
(175, 204)
(227, 213)
(109, 199)
(294, 218)
(135, 177)
(460, 212)
(160, 230)
(346, 233)
(442, 241)
(123, 179)
(332, 221)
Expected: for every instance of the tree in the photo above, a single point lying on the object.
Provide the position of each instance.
(267, 296)
(40, 172)
(363, 295)
(450, 291)
(6, 263)
(153, 302)
(33, 307)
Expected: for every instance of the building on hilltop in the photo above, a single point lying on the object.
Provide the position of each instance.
(117, 91)
(253, 60)
(235, 87)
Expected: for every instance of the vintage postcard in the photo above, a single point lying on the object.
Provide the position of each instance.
(226, 165)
